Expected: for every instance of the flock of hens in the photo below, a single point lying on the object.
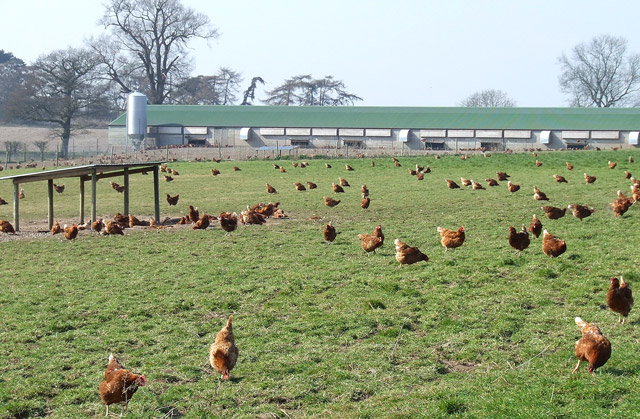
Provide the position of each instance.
(120, 384)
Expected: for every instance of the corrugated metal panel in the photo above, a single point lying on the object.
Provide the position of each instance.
(351, 132)
(271, 131)
(575, 135)
(489, 133)
(298, 131)
(605, 135)
(378, 133)
(522, 134)
(326, 132)
(624, 119)
(460, 133)
(435, 133)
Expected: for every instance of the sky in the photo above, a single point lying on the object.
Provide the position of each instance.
(390, 53)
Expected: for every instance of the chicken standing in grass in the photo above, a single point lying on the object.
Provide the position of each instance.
(365, 190)
(407, 255)
(580, 211)
(271, 189)
(194, 214)
(311, 185)
(344, 182)
(551, 246)
(502, 176)
(513, 187)
(337, 188)
(329, 233)
(452, 185)
(519, 241)
(465, 182)
(539, 195)
(475, 185)
(589, 179)
(620, 298)
(450, 239)
(70, 232)
(569, 166)
(299, 186)
(119, 384)
(55, 229)
(330, 202)
(202, 223)
(620, 206)
(593, 347)
(369, 242)
(223, 353)
(560, 179)
(228, 222)
(365, 202)
(173, 200)
(553, 213)
(58, 188)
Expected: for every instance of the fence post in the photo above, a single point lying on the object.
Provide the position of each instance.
(6, 160)
(57, 153)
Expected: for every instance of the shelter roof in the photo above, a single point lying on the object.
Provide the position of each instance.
(108, 170)
(391, 117)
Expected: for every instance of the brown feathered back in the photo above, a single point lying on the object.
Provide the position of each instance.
(593, 347)
(223, 353)
(619, 297)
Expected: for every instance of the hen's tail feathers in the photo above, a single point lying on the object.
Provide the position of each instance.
(581, 323)
(229, 321)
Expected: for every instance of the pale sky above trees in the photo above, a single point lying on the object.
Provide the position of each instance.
(405, 53)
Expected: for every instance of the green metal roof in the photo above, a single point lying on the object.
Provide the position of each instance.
(392, 117)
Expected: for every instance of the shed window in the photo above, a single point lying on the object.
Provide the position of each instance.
(633, 137)
(403, 136)
(244, 134)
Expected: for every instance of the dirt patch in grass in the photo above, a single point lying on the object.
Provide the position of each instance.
(457, 366)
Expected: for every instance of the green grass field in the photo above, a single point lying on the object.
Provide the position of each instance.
(323, 330)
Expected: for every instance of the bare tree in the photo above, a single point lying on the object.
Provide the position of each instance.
(250, 93)
(230, 81)
(12, 147)
(42, 146)
(221, 89)
(303, 90)
(489, 98)
(63, 88)
(149, 37)
(601, 73)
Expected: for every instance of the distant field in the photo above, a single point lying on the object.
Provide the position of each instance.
(324, 330)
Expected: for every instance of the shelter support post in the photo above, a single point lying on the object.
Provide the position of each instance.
(50, 198)
(126, 191)
(81, 201)
(16, 206)
(156, 193)
(94, 180)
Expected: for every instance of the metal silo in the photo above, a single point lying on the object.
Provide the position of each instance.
(136, 118)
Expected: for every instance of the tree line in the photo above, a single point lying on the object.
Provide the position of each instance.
(144, 49)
